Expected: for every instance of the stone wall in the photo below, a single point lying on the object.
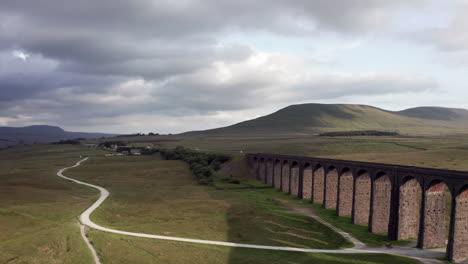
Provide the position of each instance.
(460, 242)
(262, 171)
(381, 204)
(269, 172)
(295, 180)
(285, 178)
(409, 209)
(318, 184)
(277, 175)
(307, 184)
(345, 205)
(435, 226)
(331, 188)
(362, 196)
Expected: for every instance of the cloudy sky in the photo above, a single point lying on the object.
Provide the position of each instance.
(171, 66)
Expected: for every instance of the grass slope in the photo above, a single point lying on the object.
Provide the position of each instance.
(315, 118)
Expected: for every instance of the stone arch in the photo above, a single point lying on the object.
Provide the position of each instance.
(277, 174)
(261, 170)
(331, 188)
(269, 172)
(307, 182)
(294, 187)
(318, 184)
(409, 208)
(459, 247)
(285, 176)
(437, 200)
(381, 203)
(345, 193)
(362, 196)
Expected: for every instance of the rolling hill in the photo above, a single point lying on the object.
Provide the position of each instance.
(318, 118)
(12, 136)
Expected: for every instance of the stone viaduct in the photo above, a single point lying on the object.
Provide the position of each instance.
(429, 205)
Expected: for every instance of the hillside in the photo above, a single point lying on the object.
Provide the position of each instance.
(318, 118)
(12, 136)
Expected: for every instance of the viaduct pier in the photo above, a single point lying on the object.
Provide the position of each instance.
(430, 205)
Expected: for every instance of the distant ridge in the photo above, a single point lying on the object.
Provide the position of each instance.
(13, 136)
(319, 118)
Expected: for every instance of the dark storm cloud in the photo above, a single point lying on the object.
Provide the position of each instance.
(111, 57)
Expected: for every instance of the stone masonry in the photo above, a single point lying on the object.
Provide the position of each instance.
(331, 189)
(381, 204)
(285, 177)
(362, 196)
(307, 185)
(345, 205)
(277, 175)
(409, 211)
(460, 243)
(295, 180)
(319, 178)
(403, 201)
(269, 172)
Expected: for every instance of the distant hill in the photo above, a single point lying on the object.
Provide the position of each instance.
(319, 118)
(12, 136)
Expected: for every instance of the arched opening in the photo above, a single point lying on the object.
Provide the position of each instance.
(277, 174)
(294, 178)
(345, 193)
(331, 188)
(307, 182)
(269, 172)
(285, 177)
(460, 233)
(382, 198)
(437, 208)
(362, 196)
(261, 170)
(318, 184)
(409, 209)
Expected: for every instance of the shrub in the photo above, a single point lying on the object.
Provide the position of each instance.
(202, 164)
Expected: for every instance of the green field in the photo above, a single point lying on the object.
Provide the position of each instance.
(39, 214)
(442, 152)
(38, 211)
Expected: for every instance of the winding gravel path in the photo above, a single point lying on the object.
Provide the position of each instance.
(359, 248)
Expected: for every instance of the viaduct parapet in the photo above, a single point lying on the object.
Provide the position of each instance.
(429, 205)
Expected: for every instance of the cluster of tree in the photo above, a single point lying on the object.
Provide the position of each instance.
(359, 133)
(202, 164)
(109, 144)
(68, 142)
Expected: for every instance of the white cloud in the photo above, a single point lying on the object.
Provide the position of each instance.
(22, 55)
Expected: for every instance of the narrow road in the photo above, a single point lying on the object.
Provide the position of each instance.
(359, 248)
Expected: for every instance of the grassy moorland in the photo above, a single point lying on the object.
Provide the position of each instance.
(443, 152)
(39, 214)
(38, 210)
(162, 197)
(121, 249)
(427, 136)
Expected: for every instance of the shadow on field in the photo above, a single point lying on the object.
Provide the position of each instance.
(259, 217)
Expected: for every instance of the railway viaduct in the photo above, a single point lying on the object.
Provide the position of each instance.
(429, 205)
